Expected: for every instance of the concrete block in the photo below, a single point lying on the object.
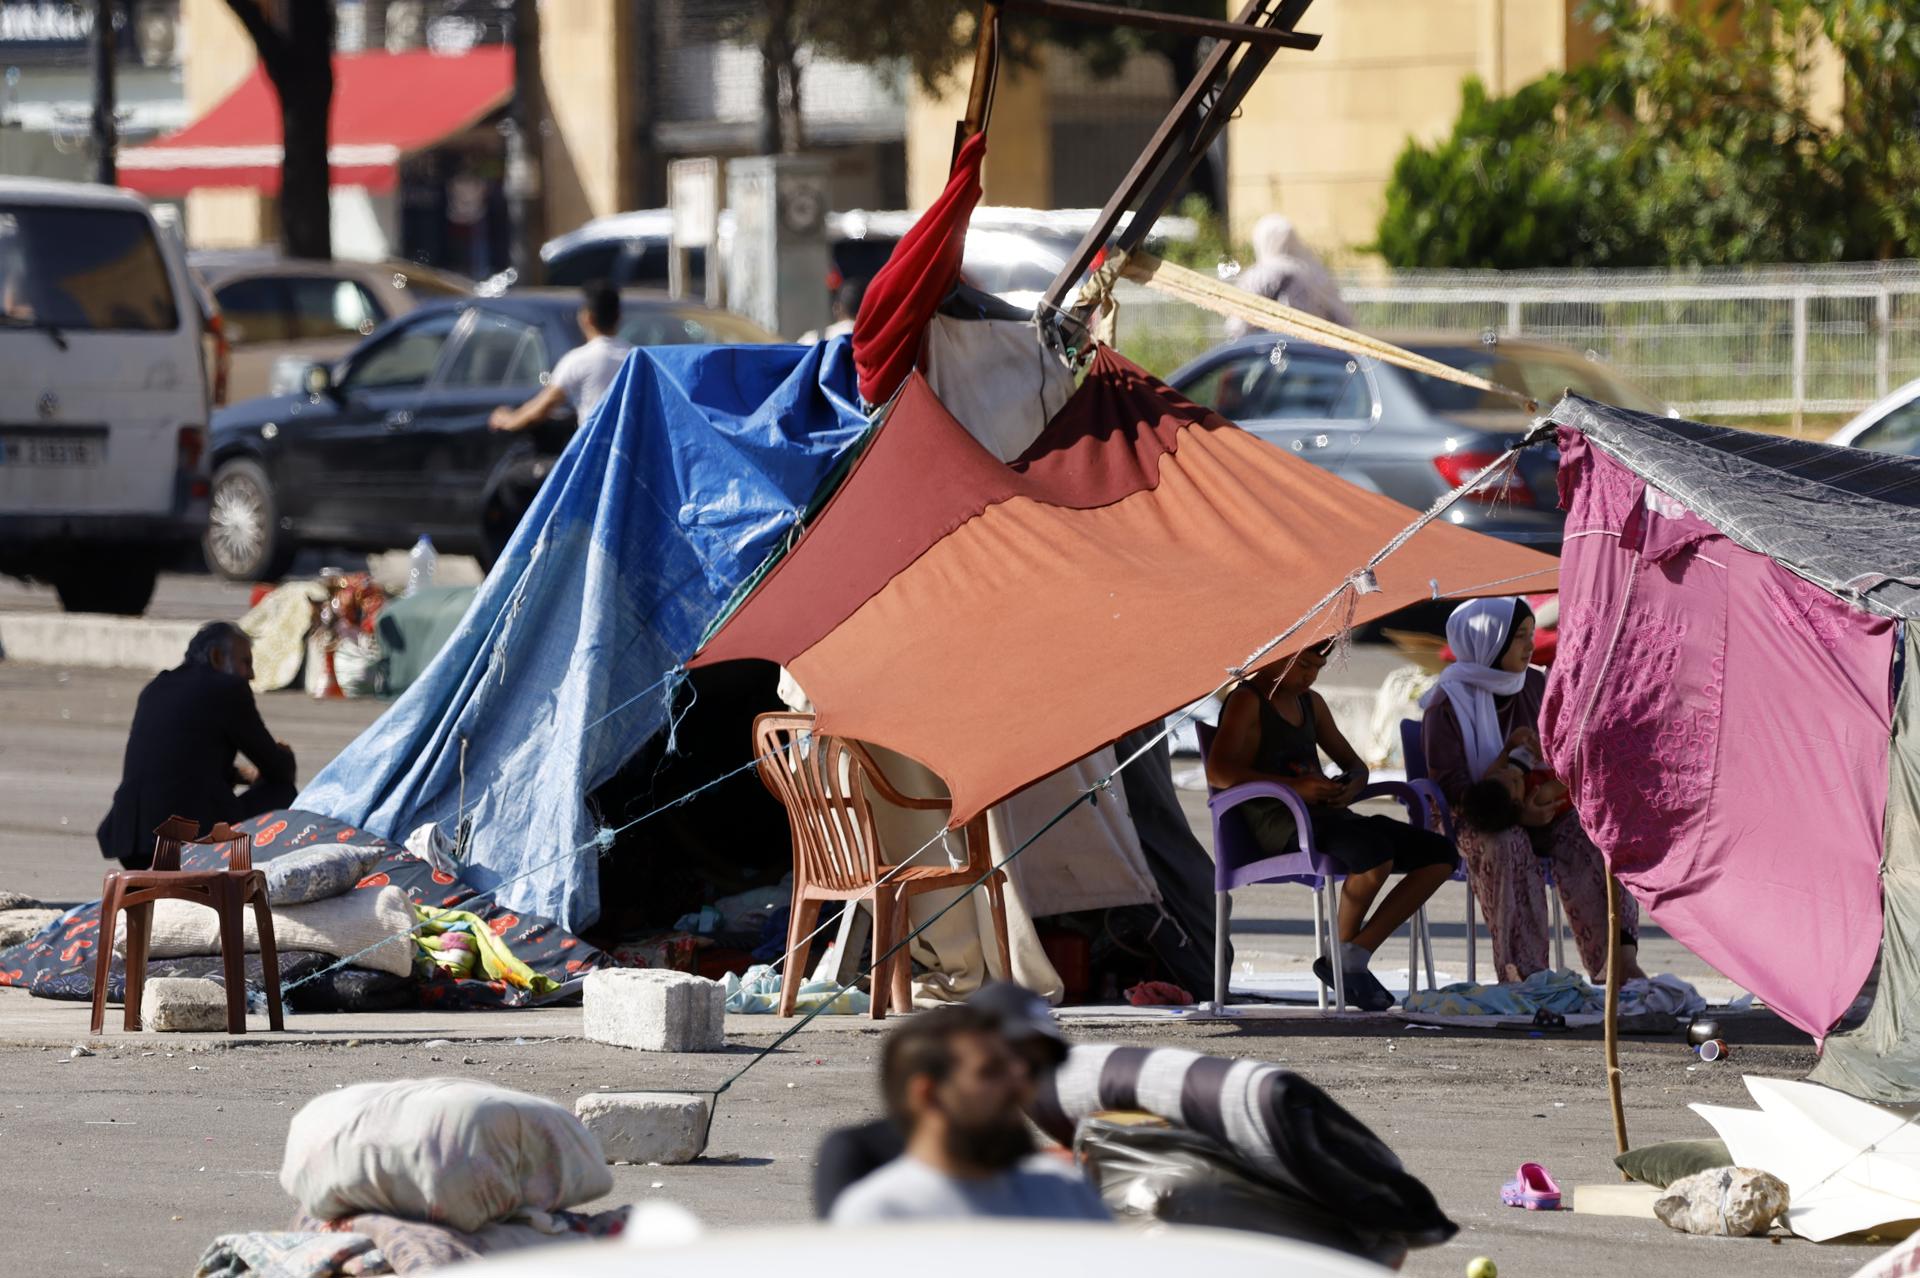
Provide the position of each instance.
(647, 1127)
(183, 1004)
(23, 925)
(655, 1011)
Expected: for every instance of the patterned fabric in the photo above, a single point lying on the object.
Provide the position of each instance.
(1724, 728)
(287, 1255)
(59, 962)
(412, 1246)
(1510, 882)
(310, 981)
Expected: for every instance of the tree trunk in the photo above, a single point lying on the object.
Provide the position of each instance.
(796, 138)
(773, 62)
(526, 148)
(304, 80)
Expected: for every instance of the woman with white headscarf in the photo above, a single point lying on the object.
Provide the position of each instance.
(1482, 736)
(1286, 271)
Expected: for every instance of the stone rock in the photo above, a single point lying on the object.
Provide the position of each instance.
(655, 1011)
(18, 901)
(1736, 1202)
(23, 924)
(183, 1004)
(647, 1127)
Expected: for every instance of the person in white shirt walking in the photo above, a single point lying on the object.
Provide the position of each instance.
(584, 373)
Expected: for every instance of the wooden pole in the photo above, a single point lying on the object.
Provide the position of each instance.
(986, 59)
(1613, 1018)
(1211, 94)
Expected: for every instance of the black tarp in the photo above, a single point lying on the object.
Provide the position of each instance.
(1846, 519)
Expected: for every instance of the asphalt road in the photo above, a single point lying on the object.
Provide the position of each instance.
(129, 1163)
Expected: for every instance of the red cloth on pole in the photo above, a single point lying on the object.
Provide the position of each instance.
(923, 269)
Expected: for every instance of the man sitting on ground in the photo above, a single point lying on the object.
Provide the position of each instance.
(957, 1091)
(850, 1154)
(584, 374)
(188, 726)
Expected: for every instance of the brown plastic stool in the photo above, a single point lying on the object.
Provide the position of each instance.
(226, 892)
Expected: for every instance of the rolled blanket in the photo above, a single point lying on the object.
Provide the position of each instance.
(1284, 1127)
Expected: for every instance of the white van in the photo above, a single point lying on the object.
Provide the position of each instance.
(103, 395)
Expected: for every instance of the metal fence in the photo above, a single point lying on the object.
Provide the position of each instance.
(1782, 342)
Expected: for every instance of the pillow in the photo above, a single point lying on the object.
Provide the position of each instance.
(1673, 1160)
(448, 1151)
(342, 926)
(312, 874)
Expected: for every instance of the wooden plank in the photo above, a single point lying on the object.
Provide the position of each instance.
(1110, 15)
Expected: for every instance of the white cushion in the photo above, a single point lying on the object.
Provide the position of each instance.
(342, 926)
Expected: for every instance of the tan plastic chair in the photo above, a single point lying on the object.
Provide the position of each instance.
(226, 892)
(824, 784)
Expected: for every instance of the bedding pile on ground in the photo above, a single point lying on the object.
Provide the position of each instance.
(411, 1176)
(527, 959)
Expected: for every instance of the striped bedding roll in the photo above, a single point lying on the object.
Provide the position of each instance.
(1283, 1127)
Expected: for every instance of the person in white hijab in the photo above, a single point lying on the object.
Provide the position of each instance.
(1478, 632)
(1482, 741)
(1287, 271)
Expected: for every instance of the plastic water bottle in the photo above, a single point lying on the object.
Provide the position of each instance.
(421, 561)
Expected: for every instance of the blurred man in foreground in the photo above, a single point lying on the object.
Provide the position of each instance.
(849, 1154)
(957, 1091)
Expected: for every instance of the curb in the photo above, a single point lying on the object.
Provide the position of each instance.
(93, 641)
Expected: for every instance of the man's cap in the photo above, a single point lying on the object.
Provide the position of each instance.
(1022, 1014)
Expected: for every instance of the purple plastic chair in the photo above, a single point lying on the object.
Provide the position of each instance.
(1413, 754)
(1239, 862)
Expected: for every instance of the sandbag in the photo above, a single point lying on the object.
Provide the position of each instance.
(1732, 1202)
(442, 1150)
(318, 872)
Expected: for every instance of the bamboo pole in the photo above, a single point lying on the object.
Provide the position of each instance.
(1613, 1018)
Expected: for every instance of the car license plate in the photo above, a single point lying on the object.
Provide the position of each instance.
(51, 451)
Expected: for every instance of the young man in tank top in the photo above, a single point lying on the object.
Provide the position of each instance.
(1275, 728)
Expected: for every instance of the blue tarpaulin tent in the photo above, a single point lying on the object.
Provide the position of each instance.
(690, 473)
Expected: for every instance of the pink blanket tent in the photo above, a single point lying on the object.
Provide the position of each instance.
(1727, 708)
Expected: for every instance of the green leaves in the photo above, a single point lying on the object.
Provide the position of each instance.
(1701, 137)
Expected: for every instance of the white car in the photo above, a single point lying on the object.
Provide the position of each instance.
(103, 395)
(1890, 426)
(938, 1249)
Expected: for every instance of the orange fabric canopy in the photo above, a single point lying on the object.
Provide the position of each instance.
(997, 622)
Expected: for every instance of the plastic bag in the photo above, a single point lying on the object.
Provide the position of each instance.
(1733, 1202)
(1151, 1170)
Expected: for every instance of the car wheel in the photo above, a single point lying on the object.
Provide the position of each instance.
(244, 541)
(122, 585)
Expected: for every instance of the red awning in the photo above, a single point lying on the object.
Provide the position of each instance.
(385, 106)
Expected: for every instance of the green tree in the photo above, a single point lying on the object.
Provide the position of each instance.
(1691, 140)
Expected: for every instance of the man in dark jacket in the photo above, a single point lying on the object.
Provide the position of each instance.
(188, 727)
